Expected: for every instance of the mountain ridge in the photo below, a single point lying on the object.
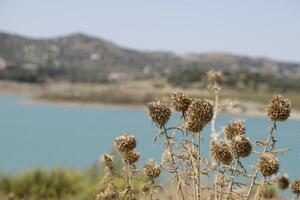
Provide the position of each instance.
(79, 52)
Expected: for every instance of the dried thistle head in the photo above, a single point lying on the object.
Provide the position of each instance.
(107, 160)
(159, 112)
(295, 187)
(214, 75)
(131, 157)
(125, 142)
(199, 113)
(268, 164)
(235, 128)
(219, 150)
(241, 146)
(279, 108)
(180, 102)
(152, 170)
(283, 182)
(193, 125)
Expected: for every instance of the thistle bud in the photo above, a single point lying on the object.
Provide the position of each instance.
(180, 102)
(199, 113)
(131, 157)
(241, 146)
(268, 164)
(295, 187)
(279, 108)
(159, 112)
(283, 182)
(235, 128)
(107, 160)
(125, 142)
(219, 150)
(152, 170)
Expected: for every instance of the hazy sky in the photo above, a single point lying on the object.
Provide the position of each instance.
(254, 27)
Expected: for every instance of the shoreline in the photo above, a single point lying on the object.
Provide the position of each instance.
(249, 109)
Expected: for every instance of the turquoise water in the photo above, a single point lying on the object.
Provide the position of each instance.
(50, 136)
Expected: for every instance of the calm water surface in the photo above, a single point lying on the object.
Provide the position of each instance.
(50, 136)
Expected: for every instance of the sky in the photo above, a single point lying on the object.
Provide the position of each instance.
(260, 28)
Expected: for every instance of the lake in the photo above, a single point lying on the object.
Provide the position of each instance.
(74, 137)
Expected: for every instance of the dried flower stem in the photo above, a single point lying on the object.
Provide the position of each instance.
(270, 136)
(195, 169)
(261, 186)
(169, 146)
(217, 181)
(234, 176)
(199, 167)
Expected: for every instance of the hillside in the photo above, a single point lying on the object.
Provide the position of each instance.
(80, 55)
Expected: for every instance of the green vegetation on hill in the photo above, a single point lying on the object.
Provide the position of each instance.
(236, 80)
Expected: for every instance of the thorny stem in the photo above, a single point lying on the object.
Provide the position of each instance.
(199, 167)
(273, 128)
(234, 175)
(217, 181)
(214, 134)
(173, 161)
(194, 166)
(213, 121)
(129, 185)
(261, 186)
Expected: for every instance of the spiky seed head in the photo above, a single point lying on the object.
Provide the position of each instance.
(219, 150)
(200, 112)
(235, 128)
(107, 160)
(180, 102)
(241, 146)
(295, 187)
(214, 75)
(193, 125)
(283, 182)
(125, 142)
(131, 157)
(268, 164)
(152, 170)
(159, 112)
(279, 108)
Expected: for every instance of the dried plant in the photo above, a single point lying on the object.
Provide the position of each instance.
(183, 158)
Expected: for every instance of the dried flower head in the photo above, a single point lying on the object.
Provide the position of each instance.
(107, 160)
(125, 142)
(131, 157)
(241, 146)
(214, 75)
(219, 150)
(180, 102)
(199, 113)
(159, 112)
(268, 164)
(235, 128)
(152, 170)
(295, 187)
(279, 108)
(193, 125)
(283, 182)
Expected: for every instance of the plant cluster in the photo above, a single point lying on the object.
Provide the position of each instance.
(183, 157)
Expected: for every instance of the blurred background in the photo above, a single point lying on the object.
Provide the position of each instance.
(75, 74)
